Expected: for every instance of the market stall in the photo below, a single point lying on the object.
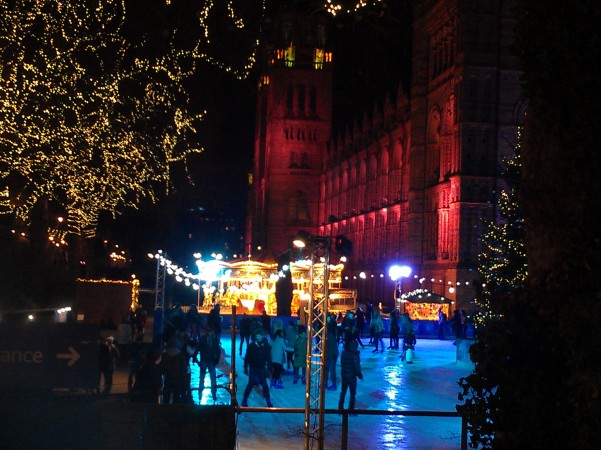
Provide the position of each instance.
(422, 304)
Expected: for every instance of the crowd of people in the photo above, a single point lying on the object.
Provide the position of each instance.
(271, 350)
(163, 374)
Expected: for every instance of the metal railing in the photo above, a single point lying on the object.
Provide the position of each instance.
(367, 412)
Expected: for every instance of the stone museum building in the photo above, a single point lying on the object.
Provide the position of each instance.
(416, 179)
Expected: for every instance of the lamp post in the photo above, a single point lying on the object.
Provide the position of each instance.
(397, 273)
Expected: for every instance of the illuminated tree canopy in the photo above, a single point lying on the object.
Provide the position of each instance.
(89, 120)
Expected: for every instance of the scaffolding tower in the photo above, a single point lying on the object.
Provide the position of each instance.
(316, 345)
(159, 294)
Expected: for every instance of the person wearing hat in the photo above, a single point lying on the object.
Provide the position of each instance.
(257, 365)
(108, 358)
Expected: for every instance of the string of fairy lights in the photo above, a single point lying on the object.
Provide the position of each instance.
(237, 21)
(449, 285)
(211, 271)
(334, 8)
(71, 128)
(208, 271)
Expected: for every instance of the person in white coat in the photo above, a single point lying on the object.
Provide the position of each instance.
(278, 359)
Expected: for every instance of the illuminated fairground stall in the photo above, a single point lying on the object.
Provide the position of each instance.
(250, 285)
(422, 304)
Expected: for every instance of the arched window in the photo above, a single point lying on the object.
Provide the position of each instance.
(297, 207)
(289, 99)
(433, 147)
(305, 161)
(301, 99)
(313, 100)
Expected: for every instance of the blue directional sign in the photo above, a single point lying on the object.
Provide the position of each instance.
(46, 356)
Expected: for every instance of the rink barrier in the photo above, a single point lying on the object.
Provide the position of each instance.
(365, 412)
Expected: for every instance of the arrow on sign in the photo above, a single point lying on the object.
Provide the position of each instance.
(72, 356)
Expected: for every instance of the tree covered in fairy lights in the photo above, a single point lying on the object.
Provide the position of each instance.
(92, 119)
(502, 260)
(82, 121)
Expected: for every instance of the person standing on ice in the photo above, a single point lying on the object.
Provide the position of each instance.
(257, 364)
(300, 355)
(350, 370)
(278, 359)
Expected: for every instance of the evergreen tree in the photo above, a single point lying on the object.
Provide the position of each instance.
(502, 261)
(536, 378)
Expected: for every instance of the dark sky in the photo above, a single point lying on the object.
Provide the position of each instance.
(370, 56)
(369, 61)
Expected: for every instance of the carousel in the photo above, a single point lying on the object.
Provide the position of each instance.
(250, 286)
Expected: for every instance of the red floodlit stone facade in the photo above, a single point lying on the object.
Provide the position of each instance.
(411, 183)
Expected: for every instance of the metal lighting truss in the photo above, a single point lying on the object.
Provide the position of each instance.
(316, 348)
(159, 290)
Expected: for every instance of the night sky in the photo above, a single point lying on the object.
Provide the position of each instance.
(371, 56)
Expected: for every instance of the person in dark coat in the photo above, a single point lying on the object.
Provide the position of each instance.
(193, 322)
(255, 324)
(245, 323)
(140, 319)
(360, 320)
(299, 362)
(137, 356)
(377, 328)
(409, 342)
(442, 319)
(348, 326)
(214, 320)
(148, 379)
(173, 366)
(350, 330)
(210, 354)
(395, 329)
(350, 370)
(266, 323)
(331, 353)
(463, 322)
(369, 310)
(257, 365)
(456, 324)
(108, 359)
(290, 335)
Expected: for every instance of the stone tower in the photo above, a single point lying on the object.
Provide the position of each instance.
(293, 126)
